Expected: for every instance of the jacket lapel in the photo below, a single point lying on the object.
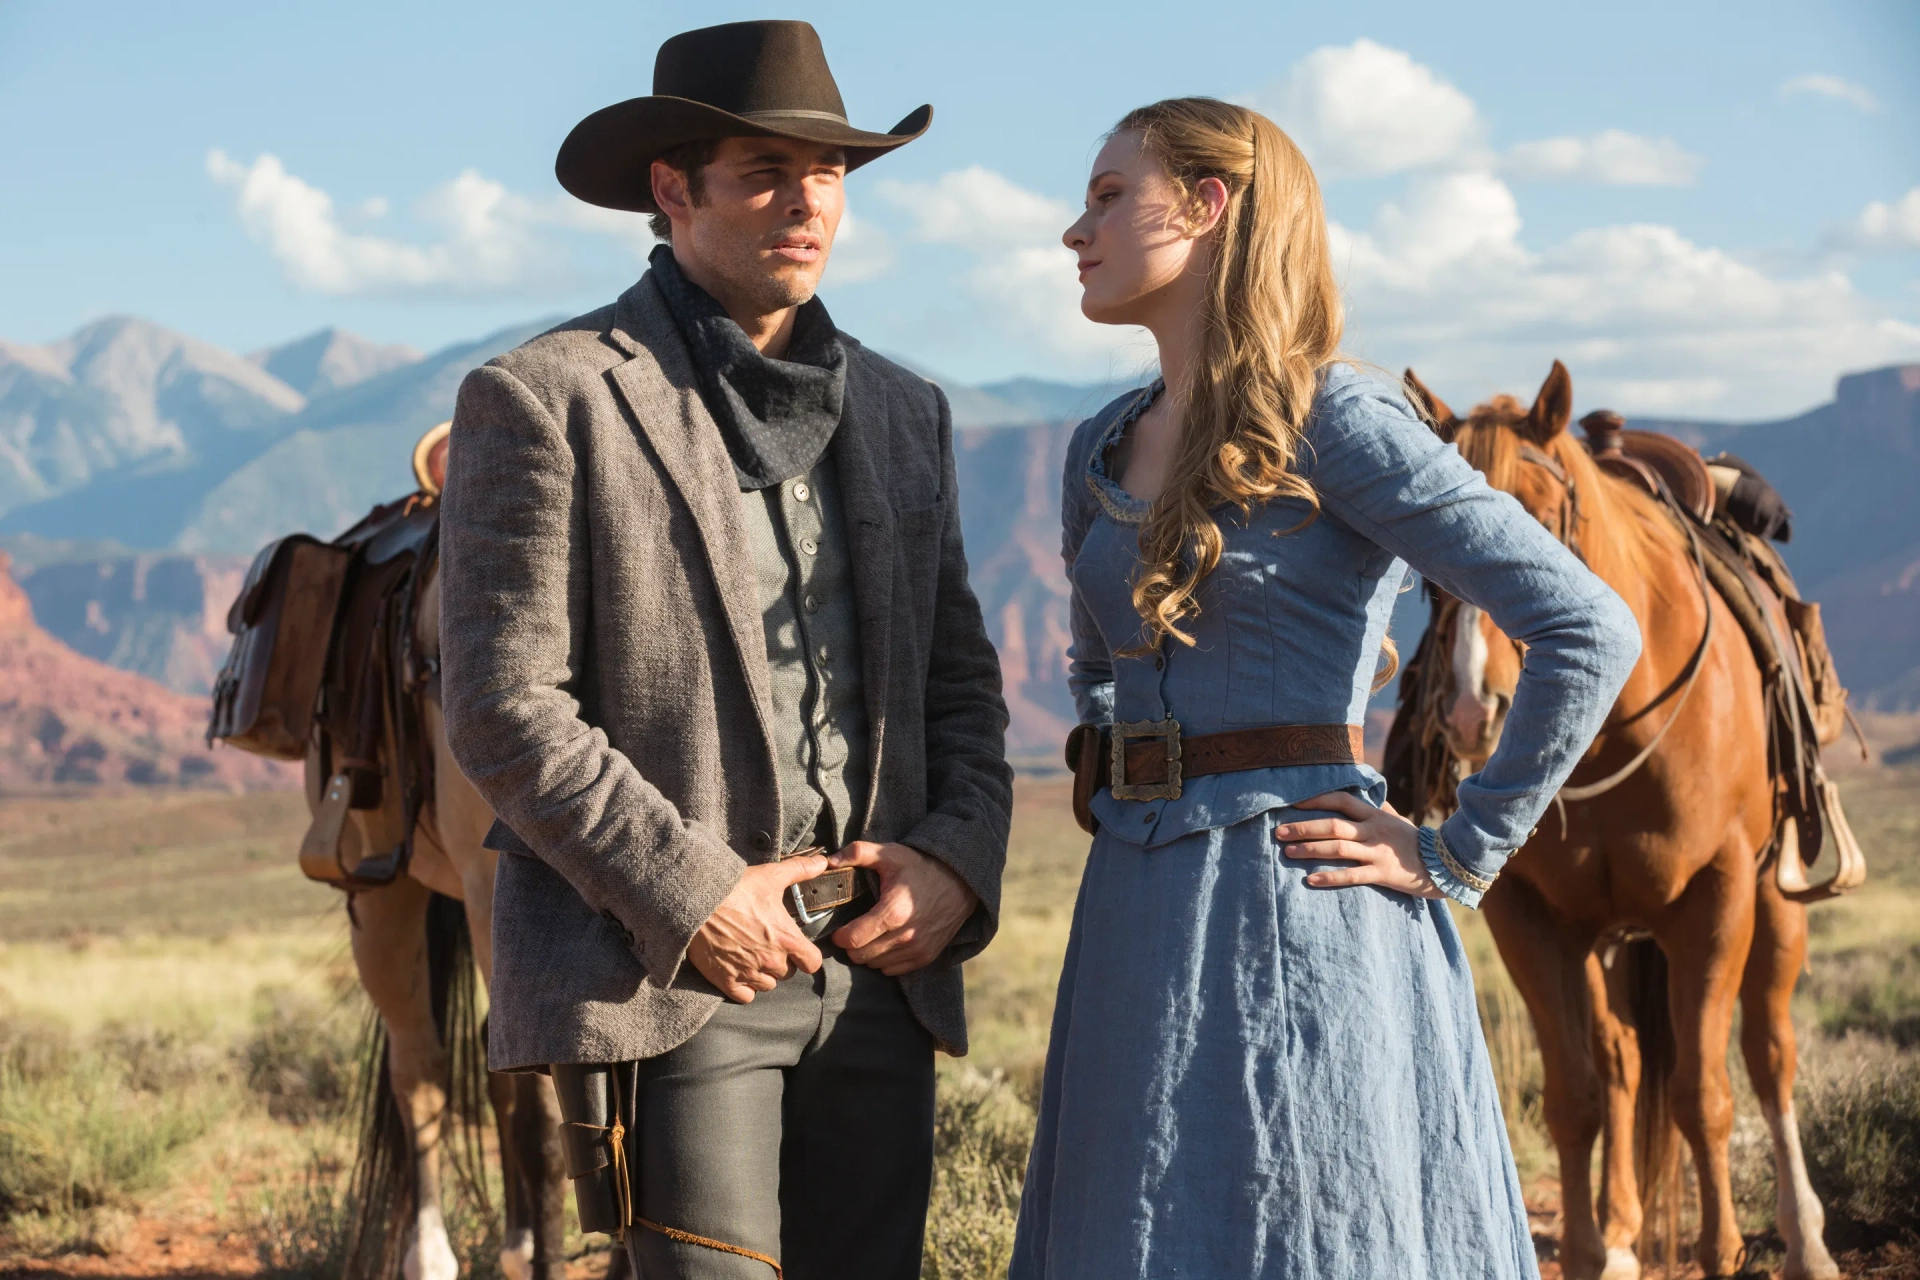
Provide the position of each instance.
(663, 399)
(860, 450)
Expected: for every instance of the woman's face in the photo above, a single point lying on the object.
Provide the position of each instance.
(1136, 240)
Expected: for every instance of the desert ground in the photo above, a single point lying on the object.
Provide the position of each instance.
(180, 1030)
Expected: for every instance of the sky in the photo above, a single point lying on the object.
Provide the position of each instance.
(1704, 209)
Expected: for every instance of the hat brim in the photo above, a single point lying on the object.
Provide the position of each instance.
(607, 159)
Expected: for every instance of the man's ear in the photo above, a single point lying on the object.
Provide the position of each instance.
(1444, 421)
(1553, 407)
(670, 192)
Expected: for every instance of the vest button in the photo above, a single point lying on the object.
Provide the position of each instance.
(763, 842)
(800, 490)
(809, 546)
(822, 653)
(813, 604)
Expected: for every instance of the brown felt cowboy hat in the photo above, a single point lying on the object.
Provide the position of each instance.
(740, 80)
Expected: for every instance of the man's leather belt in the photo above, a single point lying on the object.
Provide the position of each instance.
(1152, 759)
(811, 899)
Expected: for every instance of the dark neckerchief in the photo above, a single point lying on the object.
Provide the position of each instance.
(777, 416)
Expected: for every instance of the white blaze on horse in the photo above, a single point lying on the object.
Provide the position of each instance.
(1666, 883)
(336, 662)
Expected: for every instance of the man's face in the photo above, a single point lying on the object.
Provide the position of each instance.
(759, 236)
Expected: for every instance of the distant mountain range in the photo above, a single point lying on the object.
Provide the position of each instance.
(140, 469)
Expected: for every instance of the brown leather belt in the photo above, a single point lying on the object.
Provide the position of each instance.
(1153, 760)
(811, 899)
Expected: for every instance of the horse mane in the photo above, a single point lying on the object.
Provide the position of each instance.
(1622, 532)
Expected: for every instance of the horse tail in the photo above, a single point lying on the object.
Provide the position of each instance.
(1656, 1138)
(383, 1194)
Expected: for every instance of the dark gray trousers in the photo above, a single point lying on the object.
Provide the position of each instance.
(799, 1126)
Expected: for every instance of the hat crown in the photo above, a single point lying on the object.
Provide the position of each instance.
(749, 68)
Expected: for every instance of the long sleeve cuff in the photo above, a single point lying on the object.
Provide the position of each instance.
(1453, 879)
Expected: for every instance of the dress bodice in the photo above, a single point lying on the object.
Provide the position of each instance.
(1291, 622)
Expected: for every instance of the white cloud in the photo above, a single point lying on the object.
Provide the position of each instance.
(978, 206)
(1831, 87)
(1647, 319)
(1611, 156)
(1883, 226)
(489, 239)
(1364, 109)
(1020, 270)
(861, 251)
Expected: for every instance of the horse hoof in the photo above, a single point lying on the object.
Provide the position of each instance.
(1820, 1266)
(1621, 1265)
(516, 1254)
(430, 1257)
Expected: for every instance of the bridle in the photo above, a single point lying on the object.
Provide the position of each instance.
(1569, 525)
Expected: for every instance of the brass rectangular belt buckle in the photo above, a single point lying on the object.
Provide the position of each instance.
(1167, 730)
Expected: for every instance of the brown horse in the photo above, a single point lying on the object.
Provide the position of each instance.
(1675, 849)
(400, 947)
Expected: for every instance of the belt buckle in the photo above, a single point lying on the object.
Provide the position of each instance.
(1169, 731)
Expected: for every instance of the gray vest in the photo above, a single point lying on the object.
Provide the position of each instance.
(798, 540)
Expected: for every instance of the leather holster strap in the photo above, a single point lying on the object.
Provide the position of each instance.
(1090, 756)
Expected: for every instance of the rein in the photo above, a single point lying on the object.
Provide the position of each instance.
(1569, 522)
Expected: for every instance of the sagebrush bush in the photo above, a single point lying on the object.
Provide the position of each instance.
(1860, 1124)
(1871, 989)
(981, 1132)
(302, 1055)
(91, 1136)
(305, 1232)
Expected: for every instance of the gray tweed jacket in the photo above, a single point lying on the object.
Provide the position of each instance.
(605, 675)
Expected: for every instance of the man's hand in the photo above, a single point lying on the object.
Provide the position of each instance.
(750, 942)
(922, 905)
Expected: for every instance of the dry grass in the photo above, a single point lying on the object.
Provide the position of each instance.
(177, 1006)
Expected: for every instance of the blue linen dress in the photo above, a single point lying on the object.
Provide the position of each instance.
(1247, 1077)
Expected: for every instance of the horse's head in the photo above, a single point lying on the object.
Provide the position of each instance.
(1525, 452)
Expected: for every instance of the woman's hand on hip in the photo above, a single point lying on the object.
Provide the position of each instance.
(1383, 847)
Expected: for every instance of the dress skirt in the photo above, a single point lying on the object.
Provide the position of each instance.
(1249, 1078)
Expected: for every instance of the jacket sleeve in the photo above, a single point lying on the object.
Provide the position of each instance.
(513, 626)
(969, 783)
(1089, 662)
(1380, 471)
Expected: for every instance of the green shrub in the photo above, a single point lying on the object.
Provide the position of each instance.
(302, 1055)
(1859, 1108)
(981, 1132)
(88, 1138)
(1871, 989)
(305, 1232)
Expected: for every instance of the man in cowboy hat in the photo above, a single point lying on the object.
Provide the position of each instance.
(711, 656)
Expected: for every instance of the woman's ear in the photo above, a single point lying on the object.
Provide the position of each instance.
(1207, 207)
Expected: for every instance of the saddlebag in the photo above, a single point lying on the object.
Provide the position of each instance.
(282, 625)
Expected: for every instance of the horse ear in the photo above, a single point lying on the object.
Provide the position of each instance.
(1553, 407)
(1444, 421)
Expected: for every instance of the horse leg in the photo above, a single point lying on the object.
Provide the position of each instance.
(390, 951)
(536, 1147)
(1706, 936)
(1767, 1041)
(1550, 970)
(1616, 1048)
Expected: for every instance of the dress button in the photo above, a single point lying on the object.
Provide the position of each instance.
(813, 604)
(762, 842)
(822, 653)
(809, 546)
(800, 490)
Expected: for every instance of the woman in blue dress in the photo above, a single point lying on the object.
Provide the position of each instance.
(1265, 1058)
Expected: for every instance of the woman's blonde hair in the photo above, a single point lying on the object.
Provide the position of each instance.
(1271, 321)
